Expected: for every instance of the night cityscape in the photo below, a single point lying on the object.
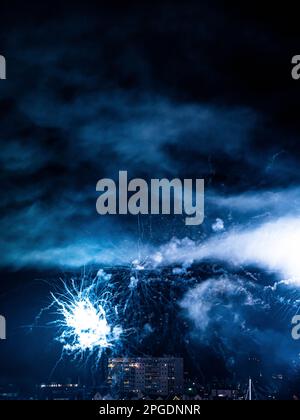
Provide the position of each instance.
(150, 206)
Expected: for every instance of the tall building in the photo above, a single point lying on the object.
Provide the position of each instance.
(146, 375)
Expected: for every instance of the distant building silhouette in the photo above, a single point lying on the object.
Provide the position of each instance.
(149, 376)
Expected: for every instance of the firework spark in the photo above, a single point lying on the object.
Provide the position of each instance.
(86, 319)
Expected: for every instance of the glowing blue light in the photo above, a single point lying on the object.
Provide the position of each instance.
(86, 321)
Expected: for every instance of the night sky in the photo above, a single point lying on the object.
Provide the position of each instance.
(176, 89)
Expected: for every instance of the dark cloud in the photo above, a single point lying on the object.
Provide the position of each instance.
(146, 90)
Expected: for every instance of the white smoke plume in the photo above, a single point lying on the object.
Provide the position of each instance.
(273, 246)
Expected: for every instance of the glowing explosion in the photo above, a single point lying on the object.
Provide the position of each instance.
(87, 322)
